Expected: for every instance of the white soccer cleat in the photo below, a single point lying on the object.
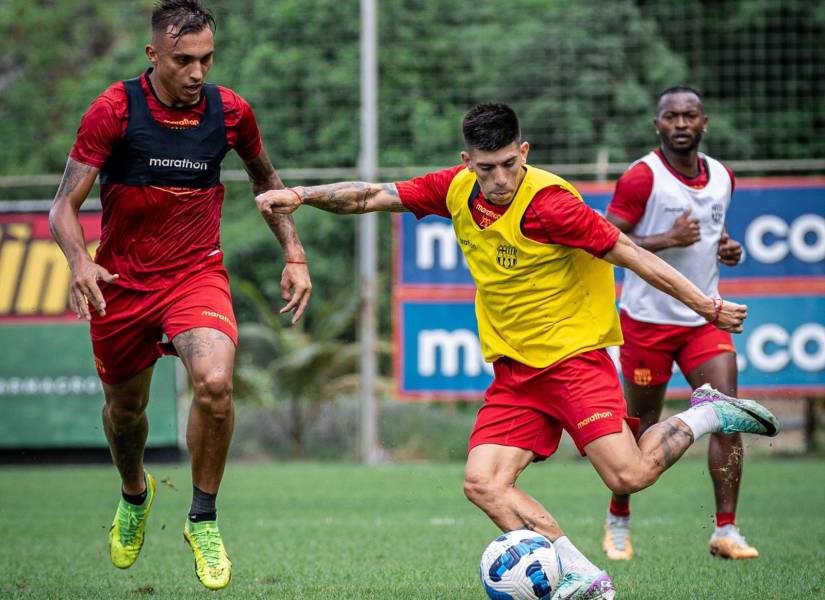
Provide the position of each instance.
(617, 544)
(728, 542)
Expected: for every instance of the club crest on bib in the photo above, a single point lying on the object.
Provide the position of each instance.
(717, 213)
(506, 256)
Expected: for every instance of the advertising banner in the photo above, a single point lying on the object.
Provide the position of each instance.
(780, 223)
(50, 394)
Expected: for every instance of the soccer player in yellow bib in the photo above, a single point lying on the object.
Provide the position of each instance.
(541, 261)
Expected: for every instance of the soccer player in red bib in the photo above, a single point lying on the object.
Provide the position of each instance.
(157, 142)
(542, 263)
(673, 202)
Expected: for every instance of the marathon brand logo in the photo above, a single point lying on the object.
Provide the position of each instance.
(594, 417)
(178, 163)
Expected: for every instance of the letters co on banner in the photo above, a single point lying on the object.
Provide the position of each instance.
(780, 223)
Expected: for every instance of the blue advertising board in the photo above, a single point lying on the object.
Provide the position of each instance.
(780, 223)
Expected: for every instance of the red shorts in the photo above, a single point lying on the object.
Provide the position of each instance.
(650, 349)
(528, 407)
(130, 337)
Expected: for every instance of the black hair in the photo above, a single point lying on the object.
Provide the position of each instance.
(490, 126)
(678, 89)
(185, 16)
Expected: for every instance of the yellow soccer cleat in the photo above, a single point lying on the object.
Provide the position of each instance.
(616, 544)
(212, 565)
(126, 532)
(727, 542)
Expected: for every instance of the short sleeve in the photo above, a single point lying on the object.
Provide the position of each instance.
(427, 195)
(100, 128)
(241, 125)
(570, 222)
(632, 193)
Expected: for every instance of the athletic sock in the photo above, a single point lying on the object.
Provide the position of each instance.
(725, 518)
(203, 506)
(620, 507)
(137, 499)
(573, 561)
(701, 419)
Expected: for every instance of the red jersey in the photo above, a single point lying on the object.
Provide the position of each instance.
(152, 236)
(634, 187)
(554, 215)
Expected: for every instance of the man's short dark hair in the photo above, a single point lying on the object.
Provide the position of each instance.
(184, 16)
(491, 126)
(678, 89)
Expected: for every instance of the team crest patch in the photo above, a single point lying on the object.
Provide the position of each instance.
(717, 213)
(642, 376)
(506, 256)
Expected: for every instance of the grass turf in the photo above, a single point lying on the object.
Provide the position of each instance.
(307, 531)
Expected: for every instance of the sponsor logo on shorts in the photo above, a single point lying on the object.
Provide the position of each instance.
(99, 365)
(506, 256)
(726, 347)
(212, 313)
(642, 376)
(594, 417)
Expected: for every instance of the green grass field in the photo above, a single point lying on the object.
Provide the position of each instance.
(307, 531)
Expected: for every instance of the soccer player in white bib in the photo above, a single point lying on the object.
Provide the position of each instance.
(673, 202)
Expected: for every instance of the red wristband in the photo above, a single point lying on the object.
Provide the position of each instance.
(297, 195)
(296, 262)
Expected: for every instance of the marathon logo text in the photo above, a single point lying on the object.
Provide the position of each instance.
(178, 163)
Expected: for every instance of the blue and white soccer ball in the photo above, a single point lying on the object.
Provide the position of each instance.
(520, 565)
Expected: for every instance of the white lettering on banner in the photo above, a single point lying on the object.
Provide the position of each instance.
(791, 347)
(796, 235)
(450, 344)
(56, 386)
(430, 235)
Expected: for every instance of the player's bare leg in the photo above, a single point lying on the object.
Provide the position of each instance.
(209, 357)
(490, 483)
(644, 403)
(725, 460)
(126, 427)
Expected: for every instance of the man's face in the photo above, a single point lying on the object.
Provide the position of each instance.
(498, 172)
(680, 121)
(181, 65)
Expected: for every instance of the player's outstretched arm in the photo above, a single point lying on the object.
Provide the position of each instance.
(725, 315)
(346, 198)
(74, 188)
(296, 286)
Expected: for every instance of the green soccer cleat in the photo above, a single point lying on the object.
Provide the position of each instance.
(585, 587)
(735, 415)
(212, 565)
(126, 532)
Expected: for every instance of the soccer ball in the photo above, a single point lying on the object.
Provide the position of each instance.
(520, 565)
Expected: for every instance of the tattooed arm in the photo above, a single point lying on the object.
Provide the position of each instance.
(74, 188)
(352, 197)
(296, 286)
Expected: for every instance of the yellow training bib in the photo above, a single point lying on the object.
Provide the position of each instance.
(535, 303)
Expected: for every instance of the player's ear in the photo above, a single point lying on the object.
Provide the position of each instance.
(465, 158)
(524, 150)
(151, 54)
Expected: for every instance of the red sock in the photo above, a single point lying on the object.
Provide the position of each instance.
(620, 507)
(725, 518)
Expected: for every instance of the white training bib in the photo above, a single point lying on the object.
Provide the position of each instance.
(668, 199)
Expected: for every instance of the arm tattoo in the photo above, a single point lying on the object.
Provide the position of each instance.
(263, 177)
(353, 197)
(75, 173)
